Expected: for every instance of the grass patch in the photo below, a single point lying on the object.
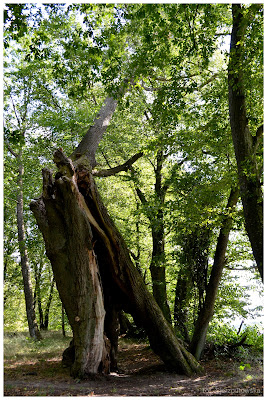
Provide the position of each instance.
(19, 346)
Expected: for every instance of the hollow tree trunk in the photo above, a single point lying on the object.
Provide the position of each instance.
(205, 315)
(24, 261)
(79, 237)
(245, 148)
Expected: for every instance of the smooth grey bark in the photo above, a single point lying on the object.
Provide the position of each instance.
(245, 148)
(205, 315)
(24, 261)
(92, 138)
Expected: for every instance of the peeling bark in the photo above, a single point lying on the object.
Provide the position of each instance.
(62, 216)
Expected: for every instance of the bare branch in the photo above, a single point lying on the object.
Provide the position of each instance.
(124, 167)
(11, 151)
(208, 81)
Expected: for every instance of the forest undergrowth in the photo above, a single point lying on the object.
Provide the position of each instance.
(34, 369)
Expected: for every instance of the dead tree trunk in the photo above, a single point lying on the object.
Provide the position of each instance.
(83, 242)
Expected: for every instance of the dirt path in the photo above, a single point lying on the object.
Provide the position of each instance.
(143, 374)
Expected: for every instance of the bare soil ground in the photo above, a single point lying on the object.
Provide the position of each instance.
(142, 374)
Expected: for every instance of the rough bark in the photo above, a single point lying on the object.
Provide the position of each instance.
(64, 220)
(24, 261)
(205, 315)
(245, 149)
(78, 230)
(129, 290)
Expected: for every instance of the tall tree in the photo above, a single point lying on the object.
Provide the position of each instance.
(15, 127)
(24, 261)
(245, 144)
(71, 202)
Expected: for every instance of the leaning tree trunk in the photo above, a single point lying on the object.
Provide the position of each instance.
(205, 315)
(83, 244)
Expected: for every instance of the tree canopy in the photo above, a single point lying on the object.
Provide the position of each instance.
(167, 162)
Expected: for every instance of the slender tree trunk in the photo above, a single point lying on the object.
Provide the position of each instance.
(183, 289)
(155, 216)
(63, 321)
(37, 293)
(245, 150)
(193, 275)
(48, 304)
(205, 315)
(33, 327)
(157, 266)
(79, 237)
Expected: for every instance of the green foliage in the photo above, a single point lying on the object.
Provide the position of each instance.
(169, 63)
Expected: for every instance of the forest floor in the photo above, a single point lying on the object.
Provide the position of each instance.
(39, 373)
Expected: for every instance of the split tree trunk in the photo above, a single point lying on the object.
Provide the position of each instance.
(80, 236)
(205, 315)
(245, 149)
(64, 220)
